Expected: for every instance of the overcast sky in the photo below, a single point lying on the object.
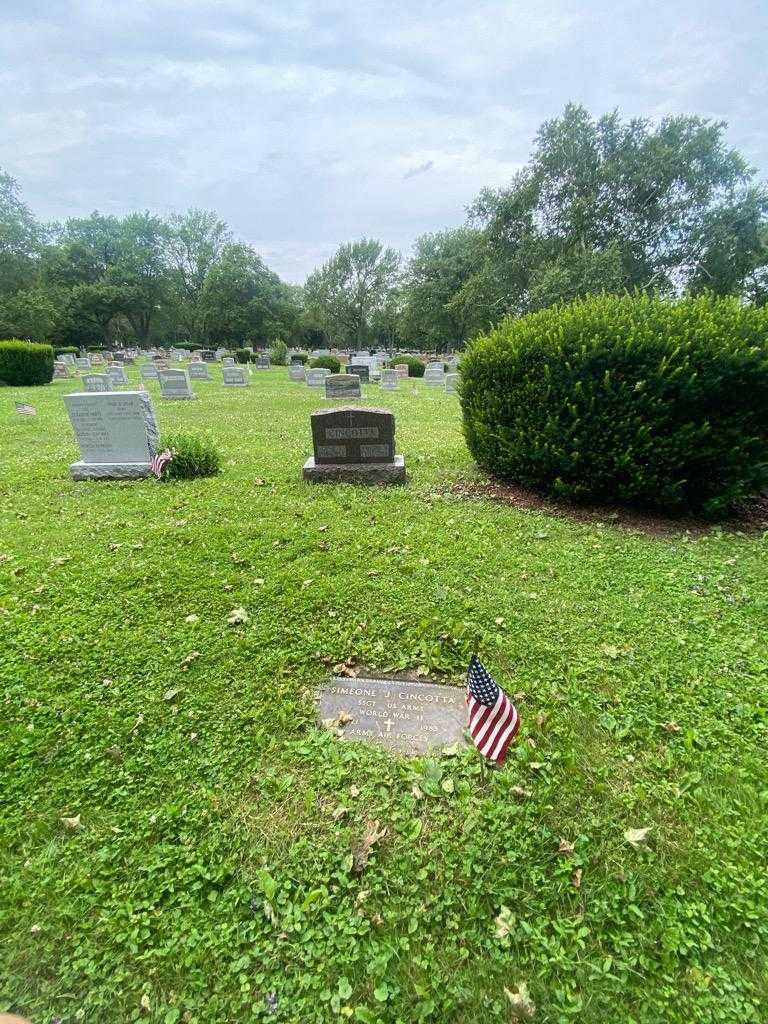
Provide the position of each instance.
(305, 125)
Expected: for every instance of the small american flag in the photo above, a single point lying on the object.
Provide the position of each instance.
(25, 410)
(493, 718)
(159, 461)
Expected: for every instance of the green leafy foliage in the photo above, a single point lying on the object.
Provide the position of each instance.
(278, 354)
(61, 350)
(242, 355)
(299, 357)
(416, 367)
(24, 363)
(327, 362)
(193, 456)
(630, 399)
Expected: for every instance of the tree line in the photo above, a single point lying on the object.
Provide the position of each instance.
(603, 205)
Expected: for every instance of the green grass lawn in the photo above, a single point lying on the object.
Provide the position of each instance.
(210, 878)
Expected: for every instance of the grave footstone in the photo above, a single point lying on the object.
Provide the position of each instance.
(296, 371)
(117, 434)
(389, 380)
(234, 377)
(96, 382)
(342, 386)
(356, 445)
(198, 371)
(361, 370)
(402, 716)
(451, 382)
(316, 376)
(174, 384)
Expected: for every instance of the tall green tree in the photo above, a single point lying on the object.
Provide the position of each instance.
(441, 265)
(195, 244)
(21, 238)
(345, 294)
(611, 205)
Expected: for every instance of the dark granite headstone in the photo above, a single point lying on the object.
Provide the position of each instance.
(354, 444)
(406, 717)
(208, 355)
(262, 361)
(342, 386)
(360, 370)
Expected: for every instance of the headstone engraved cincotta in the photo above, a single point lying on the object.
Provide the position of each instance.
(354, 444)
(342, 386)
(117, 434)
(407, 717)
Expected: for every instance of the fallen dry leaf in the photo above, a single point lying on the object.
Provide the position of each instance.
(115, 753)
(565, 847)
(636, 837)
(354, 791)
(362, 848)
(238, 615)
(72, 824)
(576, 878)
(416, 793)
(520, 793)
(340, 812)
(187, 661)
(192, 618)
(504, 923)
(522, 1005)
(671, 727)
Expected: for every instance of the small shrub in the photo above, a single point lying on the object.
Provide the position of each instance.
(242, 355)
(415, 366)
(63, 350)
(299, 357)
(25, 363)
(278, 354)
(193, 456)
(328, 362)
(625, 398)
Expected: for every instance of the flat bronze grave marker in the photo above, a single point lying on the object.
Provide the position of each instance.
(407, 717)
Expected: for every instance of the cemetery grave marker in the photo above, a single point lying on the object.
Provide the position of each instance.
(401, 369)
(148, 371)
(83, 363)
(117, 434)
(316, 376)
(361, 370)
(406, 717)
(389, 380)
(96, 382)
(234, 377)
(342, 386)
(354, 444)
(296, 371)
(262, 361)
(451, 382)
(117, 375)
(174, 384)
(228, 361)
(434, 374)
(67, 358)
(198, 371)
(60, 371)
(208, 355)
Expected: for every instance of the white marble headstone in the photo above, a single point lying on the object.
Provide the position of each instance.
(117, 434)
(96, 382)
(175, 384)
(234, 376)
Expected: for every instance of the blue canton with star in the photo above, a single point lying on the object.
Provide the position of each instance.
(481, 683)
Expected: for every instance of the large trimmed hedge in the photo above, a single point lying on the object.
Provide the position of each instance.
(625, 398)
(23, 363)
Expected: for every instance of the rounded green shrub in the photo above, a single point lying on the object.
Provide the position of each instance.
(242, 355)
(328, 362)
(299, 357)
(415, 366)
(62, 350)
(625, 398)
(193, 456)
(25, 363)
